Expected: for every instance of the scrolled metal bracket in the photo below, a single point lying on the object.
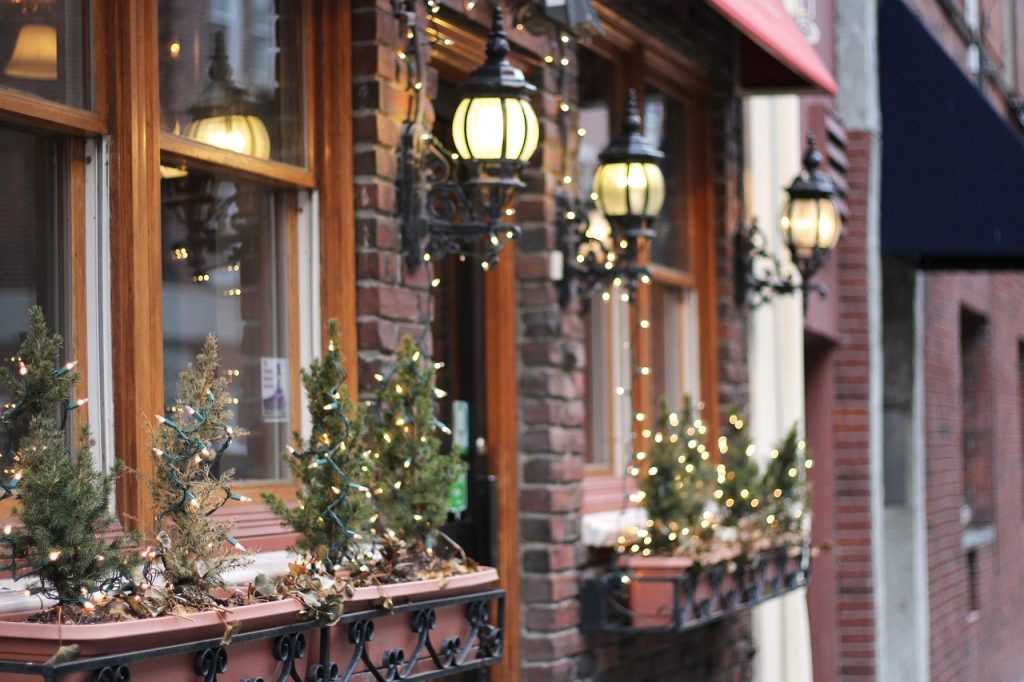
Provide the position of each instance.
(441, 215)
(760, 274)
(590, 264)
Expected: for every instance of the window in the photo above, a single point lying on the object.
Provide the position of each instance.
(976, 402)
(647, 353)
(674, 337)
(225, 272)
(231, 75)
(46, 49)
(34, 263)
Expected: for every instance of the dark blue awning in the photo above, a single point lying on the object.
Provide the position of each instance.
(952, 167)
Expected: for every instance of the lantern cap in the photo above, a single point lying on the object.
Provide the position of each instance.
(631, 145)
(497, 76)
(812, 183)
(221, 97)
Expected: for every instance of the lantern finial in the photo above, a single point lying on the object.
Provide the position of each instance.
(632, 120)
(220, 68)
(497, 44)
(812, 157)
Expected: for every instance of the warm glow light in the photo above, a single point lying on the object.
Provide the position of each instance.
(810, 224)
(35, 54)
(483, 132)
(242, 134)
(629, 189)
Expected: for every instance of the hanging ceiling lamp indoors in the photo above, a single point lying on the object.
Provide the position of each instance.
(225, 116)
(459, 202)
(35, 54)
(810, 225)
(608, 246)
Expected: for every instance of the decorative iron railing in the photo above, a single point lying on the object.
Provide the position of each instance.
(620, 600)
(342, 651)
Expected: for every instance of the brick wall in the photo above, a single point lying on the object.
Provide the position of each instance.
(855, 635)
(551, 351)
(391, 300)
(974, 641)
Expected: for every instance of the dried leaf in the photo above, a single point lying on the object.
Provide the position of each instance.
(264, 586)
(66, 653)
(229, 631)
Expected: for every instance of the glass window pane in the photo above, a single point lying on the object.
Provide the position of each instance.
(665, 124)
(675, 348)
(225, 272)
(45, 49)
(35, 260)
(231, 75)
(609, 384)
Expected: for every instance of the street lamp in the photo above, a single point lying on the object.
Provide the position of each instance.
(458, 202)
(225, 116)
(810, 225)
(605, 246)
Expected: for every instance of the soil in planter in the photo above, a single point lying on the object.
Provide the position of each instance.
(400, 563)
(73, 614)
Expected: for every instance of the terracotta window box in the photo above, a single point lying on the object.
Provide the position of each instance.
(674, 594)
(436, 628)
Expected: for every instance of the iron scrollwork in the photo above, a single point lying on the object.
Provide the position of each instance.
(288, 646)
(700, 595)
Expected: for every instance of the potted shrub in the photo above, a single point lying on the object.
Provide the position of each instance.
(102, 605)
(721, 533)
(373, 496)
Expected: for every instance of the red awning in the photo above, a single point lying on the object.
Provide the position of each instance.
(774, 55)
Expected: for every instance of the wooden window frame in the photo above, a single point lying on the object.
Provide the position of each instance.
(649, 61)
(129, 115)
(73, 212)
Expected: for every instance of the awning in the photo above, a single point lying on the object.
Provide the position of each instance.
(774, 54)
(952, 167)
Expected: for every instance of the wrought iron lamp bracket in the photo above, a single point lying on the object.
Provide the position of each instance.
(761, 275)
(442, 213)
(589, 266)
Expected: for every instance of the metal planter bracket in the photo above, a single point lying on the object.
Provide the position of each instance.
(695, 596)
(475, 643)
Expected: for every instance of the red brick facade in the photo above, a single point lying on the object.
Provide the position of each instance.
(551, 354)
(851, 467)
(974, 641)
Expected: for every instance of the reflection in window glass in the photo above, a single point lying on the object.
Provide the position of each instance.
(225, 272)
(35, 259)
(609, 394)
(676, 346)
(665, 124)
(44, 49)
(231, 75)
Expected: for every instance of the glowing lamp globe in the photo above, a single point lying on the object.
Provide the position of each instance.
(629, 184)
(495, 123)
(242, 134)
(225, 117)
(35, 54)
(810, 222)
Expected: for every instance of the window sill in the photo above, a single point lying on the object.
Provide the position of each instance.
(602, 529)
(14, 600)
(976, 537)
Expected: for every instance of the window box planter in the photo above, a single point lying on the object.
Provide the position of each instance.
(436, 622)
(674, 594)
(433, 630)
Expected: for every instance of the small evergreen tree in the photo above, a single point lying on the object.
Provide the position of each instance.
(415, 476)
(334, 509)
(193, 549)
(63, 502)
(36, 388)
(785, 484)
(739, 474)
(678, 482)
